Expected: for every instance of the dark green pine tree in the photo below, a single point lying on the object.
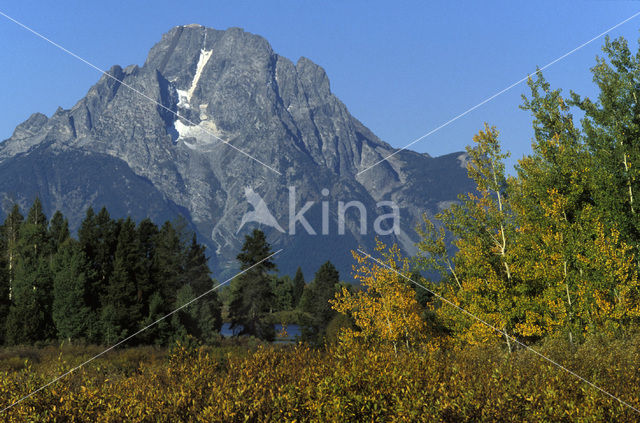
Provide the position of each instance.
(251, 295)
(98, 237)
(198, 276)
(147, 237)
(71, 316)
(122, 312)
(166, 274)
(315, 302)
(196, 268)
(88, 234)
(282, 288)
(298, 287)
(326, 281)
(58, 230)
(108, 231)
(160, 333)
(29, 318)
(168, 264)
(184, 323)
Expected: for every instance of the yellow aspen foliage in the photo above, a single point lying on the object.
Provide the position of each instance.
(533, 258)
(479, 277)
(582, 277)
(610, 298)
(385, 311)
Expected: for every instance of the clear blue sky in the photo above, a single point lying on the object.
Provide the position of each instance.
(402, 68)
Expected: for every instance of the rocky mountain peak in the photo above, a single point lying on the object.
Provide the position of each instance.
(153, 137)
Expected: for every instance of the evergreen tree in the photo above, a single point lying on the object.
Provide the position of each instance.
(70, 313)
(185, 322)
(326, 283)
(9, 237)
(58, 230)
(208, 311)
(255, 250)
(282, 289)
(315, 302)
(251, 294)
(108, 231)
(298, 287)
(147, 236)
(102, 287)
(29, 318)
(168, 264)
(88, 233)
(196, 268)
(160, 333)
(34, 235)
(123, 309)
(25, 318)
(166, 273)
(98, 237)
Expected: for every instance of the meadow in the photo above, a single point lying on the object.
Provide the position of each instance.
(247, 380)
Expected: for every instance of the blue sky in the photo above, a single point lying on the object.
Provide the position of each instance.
(402, 68)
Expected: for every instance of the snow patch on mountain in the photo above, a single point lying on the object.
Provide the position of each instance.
(198, 136)
(185, 96)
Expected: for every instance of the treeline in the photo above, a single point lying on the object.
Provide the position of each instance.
(115, 278)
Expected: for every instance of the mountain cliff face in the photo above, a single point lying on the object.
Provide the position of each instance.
(123, 146)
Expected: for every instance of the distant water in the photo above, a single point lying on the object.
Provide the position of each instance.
(293, 332)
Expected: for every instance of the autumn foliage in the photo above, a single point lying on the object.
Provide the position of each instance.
(359, 383)
(385, 311)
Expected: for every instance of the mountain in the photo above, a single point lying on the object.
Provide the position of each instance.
(174, 137)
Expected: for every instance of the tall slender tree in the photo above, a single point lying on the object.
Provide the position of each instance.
(315, 302)
(29, 317)
(98, 237)
(207, 310)
(612, 134)
(123, 309)
(71, 315)
(9, 236)
(4, 286)
(168, 263)
(251, 294)
(298, 287)
(58, 230)
(482, 278)
(147, 236)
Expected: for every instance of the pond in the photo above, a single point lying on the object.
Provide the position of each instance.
(293, 332)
